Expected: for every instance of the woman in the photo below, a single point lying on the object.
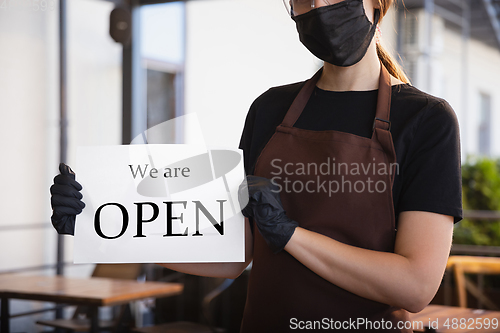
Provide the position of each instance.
(354, 190)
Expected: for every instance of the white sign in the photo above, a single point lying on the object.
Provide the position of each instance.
(158, 204)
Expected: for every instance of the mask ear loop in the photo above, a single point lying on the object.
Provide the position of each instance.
(378, 35)
(378, 32)
(291, 7)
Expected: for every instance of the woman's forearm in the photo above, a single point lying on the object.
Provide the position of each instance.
(379, 276)
(229, 270)
(390, 278)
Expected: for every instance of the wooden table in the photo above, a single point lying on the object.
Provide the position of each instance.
(92, 292)
(440, 318)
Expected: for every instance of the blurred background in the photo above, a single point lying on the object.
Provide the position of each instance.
(101, 72)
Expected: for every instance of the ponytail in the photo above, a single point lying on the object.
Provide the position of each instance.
(387, 60)
(390, 64)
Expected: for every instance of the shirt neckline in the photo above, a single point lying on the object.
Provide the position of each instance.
(347, 92)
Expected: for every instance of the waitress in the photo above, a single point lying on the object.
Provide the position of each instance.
(354, 186)
(348, 256)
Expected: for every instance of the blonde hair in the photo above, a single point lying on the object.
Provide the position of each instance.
(387, 60)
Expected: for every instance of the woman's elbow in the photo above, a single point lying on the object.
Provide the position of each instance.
(236, 270)
(417, 300)
(233, 275)
(416, 305)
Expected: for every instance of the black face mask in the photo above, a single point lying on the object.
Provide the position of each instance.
(339, 34)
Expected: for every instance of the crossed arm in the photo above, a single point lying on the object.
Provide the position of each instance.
(408, 278)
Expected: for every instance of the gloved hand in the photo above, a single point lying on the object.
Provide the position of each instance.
(264, 206)
(65, 200)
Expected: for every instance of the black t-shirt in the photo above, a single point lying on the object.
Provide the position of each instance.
(424, 129)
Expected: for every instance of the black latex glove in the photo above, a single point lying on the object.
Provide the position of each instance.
(264, 206)
(65, 200)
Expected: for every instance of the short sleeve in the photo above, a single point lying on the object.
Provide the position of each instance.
(246, 139)
(431, 174)
(246, 145)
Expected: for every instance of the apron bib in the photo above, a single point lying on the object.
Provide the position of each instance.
(339, 185)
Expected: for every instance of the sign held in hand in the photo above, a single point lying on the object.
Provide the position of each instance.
(159, 203)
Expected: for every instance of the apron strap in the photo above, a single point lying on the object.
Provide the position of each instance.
(383, 101)
(381, 123)
(299, 103)
(383, 113)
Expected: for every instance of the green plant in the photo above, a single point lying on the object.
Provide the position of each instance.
(481, 191)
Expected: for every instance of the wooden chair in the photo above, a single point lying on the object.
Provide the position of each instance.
(80, 322)
(189, 327)
(462, 265)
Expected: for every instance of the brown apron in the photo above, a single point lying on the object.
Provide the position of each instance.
(339, 185)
